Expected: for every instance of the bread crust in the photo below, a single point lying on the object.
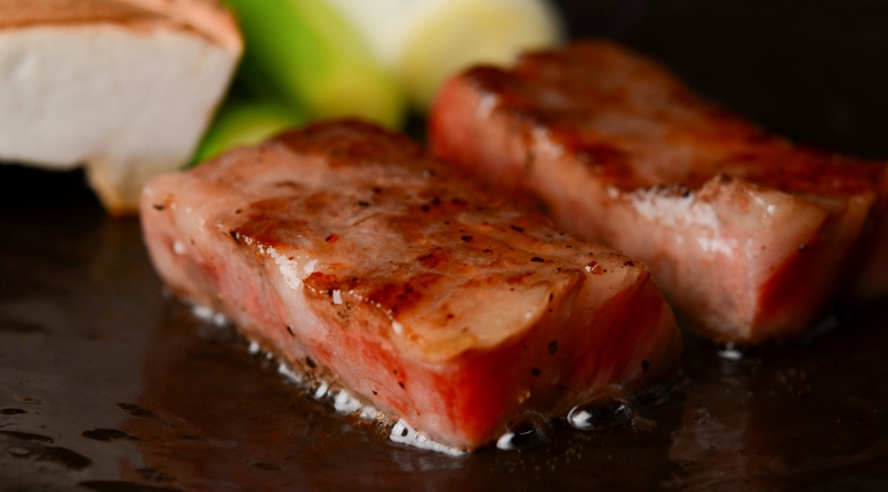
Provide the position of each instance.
(206, 18)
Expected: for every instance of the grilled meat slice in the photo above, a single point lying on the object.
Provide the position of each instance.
(747, 235)
(354, 256)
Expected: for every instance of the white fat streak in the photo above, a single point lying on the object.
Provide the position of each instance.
(178, 248)
(309, 267)
(398, 327)
(717, 245)
(660, 205)
(544, 144)
(486, 104)
(288, 268)
(403, 433)
(337, 297)
(254, 348)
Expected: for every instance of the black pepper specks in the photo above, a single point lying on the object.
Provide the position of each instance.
(310, 363)
(803, 247)
(401, 384)
(553, 347)
(645, 365)
(516, 228)
(468, 239)
(290, 331)
(159, 206)
(537, 259)
(535, 372)
(362, 203)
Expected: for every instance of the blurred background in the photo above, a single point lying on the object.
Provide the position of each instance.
(815, 71)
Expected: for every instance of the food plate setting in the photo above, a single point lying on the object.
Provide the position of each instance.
(110, 382)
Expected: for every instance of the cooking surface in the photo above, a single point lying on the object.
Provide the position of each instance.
(105, 385)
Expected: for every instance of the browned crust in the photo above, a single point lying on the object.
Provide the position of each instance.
(206, 18)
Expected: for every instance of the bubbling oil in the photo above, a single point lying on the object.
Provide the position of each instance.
(600, 414)
(528, 432)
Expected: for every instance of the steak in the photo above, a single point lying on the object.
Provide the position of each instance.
(349, 253)
(748, 235)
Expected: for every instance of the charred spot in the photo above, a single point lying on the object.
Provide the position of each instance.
(426, 208)
(362, 203)
(159, 206)
(468, 239)
(436, 201)
(428, 173)
(403, 297)
(629, 263)
(535, 372)
(553, 347)
(238, 211)
(321, 282)
(569, 246)
(551, 296)
(607, 158)
(435, 259)
(286, 184)
(803, 247)
(290, 331)
(332, 238)
(459, 202)
(377, 190)
(645, 365)
(401, 384)
(374, 392)
(537, 259)
(446, 222)
(518, 278)
(516, 228)
(310, 363)
(486, 250)
(234, 235)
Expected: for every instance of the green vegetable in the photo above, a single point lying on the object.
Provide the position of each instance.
(423, 42)
(304, 54)
(241, 123)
